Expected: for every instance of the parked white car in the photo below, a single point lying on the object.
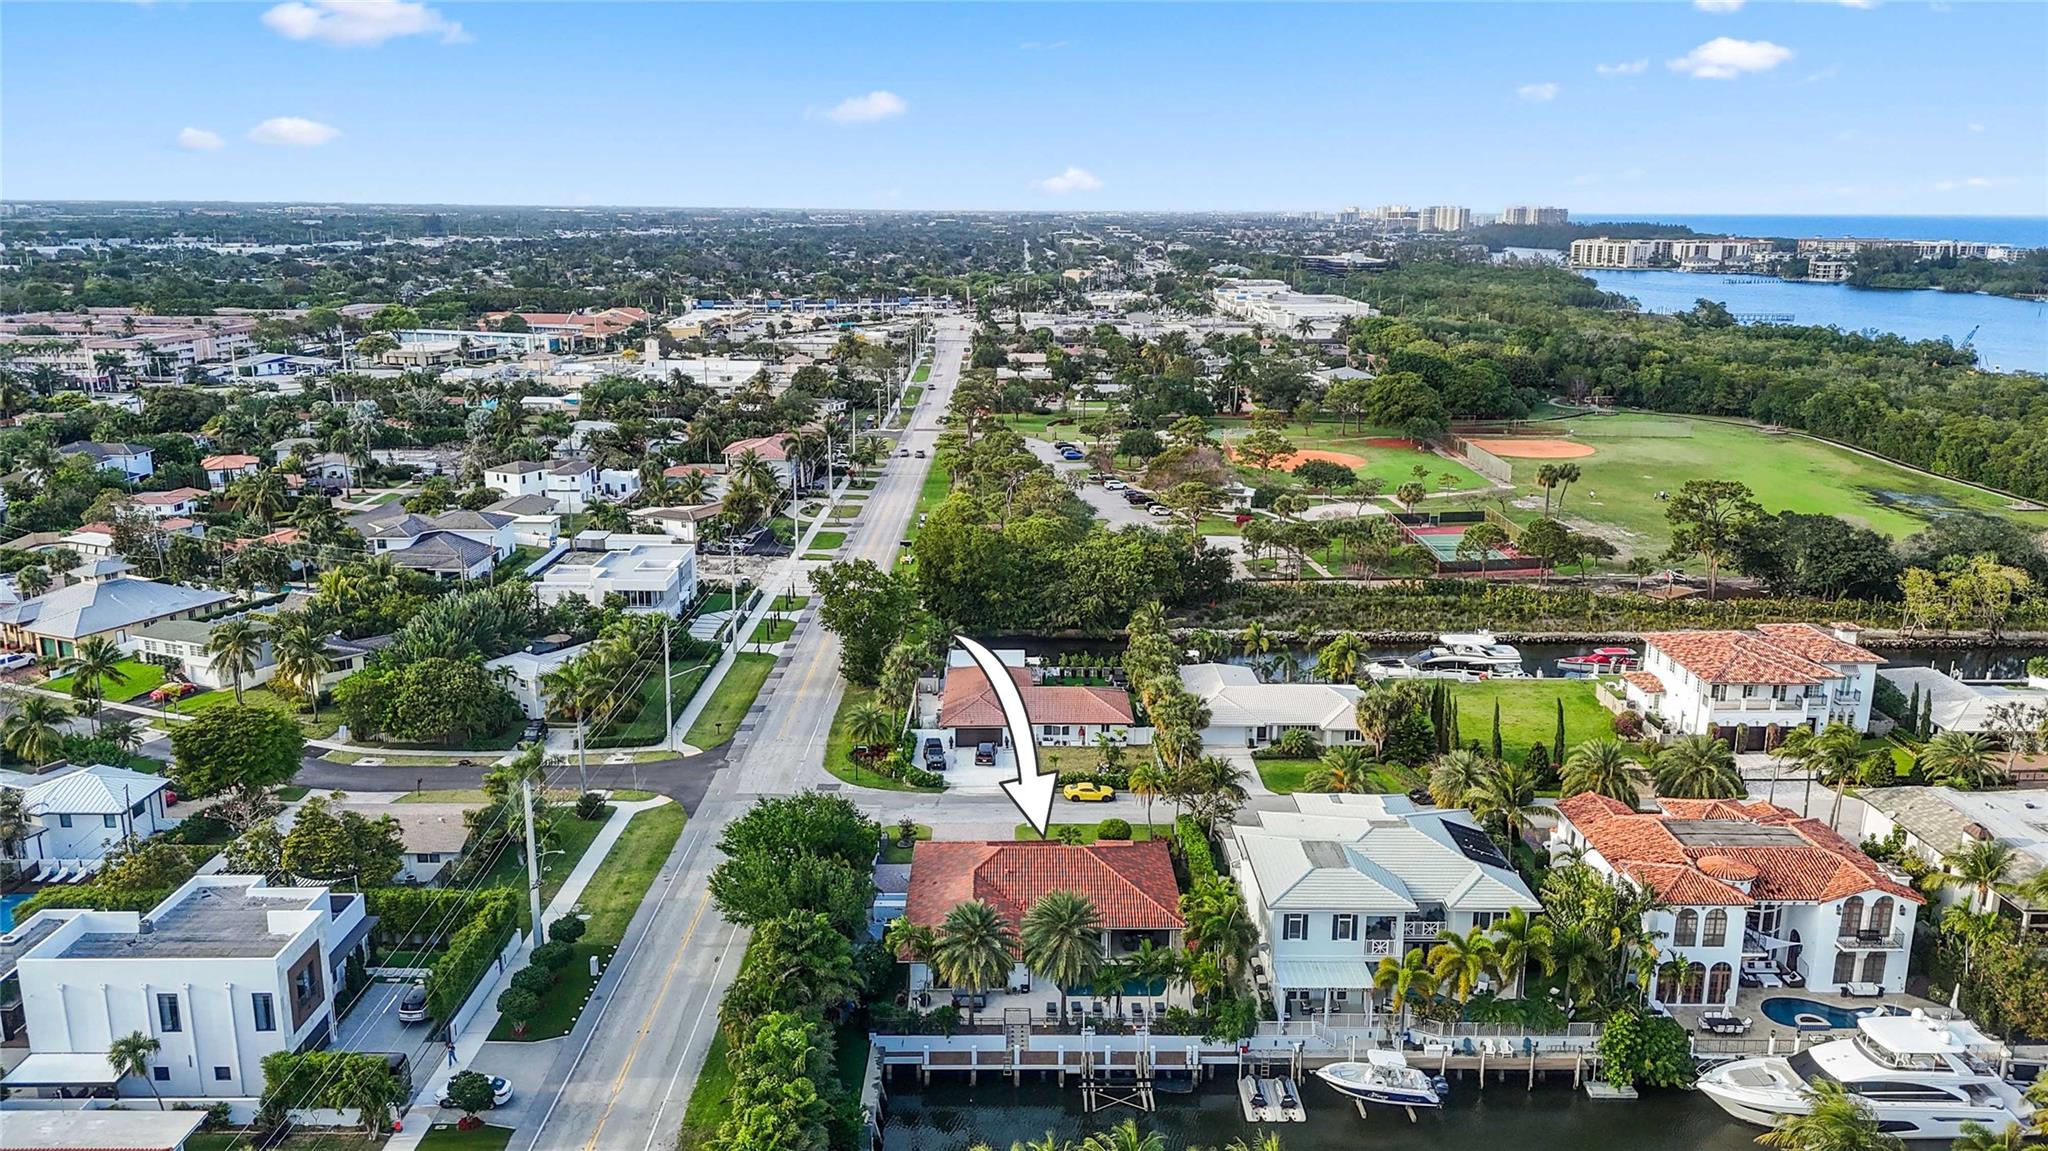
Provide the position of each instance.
(1114, 485)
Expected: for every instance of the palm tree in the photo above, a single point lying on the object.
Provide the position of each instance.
(1579, 957)
(132, 1054)
(1148, 781)
(1603, 767)
(911, 942)
(1062, 940)
(974, 949)
(1218, 924)
(1461, 961)
(1977, 1137)
(1960, 759)
(749, 472)
(234, 647)
(1404, 978)
(1698, 767)
(122, 733)
(1520, 939)
(1344, 769)
(32, 581)
(301, 653)
(1125, 1136)
(1835, 1121)
(95, 664)
(1829, 756)
(1255, 639)
(871, 724)
(1506, 798)
(1337, 662)
(1984, 865)
(33, 733)
(1454, 775)
(261, 496)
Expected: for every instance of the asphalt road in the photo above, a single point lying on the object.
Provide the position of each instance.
(683, 780)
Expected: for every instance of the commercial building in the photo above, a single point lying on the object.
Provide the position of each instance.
(1749, 894)
(1750, 687)
(1281, 308)
(223, 972)
(1345, 881)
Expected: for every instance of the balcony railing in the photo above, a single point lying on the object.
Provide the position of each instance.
(1376, 948)
(1421, 928)
(1871, 940)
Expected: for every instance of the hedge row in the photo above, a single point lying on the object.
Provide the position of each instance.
(1194, 849)
(89, 897)
(408, 917)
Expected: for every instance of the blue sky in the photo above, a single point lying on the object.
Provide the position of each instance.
(1674, 107)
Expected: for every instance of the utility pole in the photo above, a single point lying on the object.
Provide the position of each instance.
(668, 691)
(532, 855)
(582, 768)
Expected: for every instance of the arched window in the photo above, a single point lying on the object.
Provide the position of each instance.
(1667, 983)
(1688, 930)
(1852, 915)
(1873, 967)
(1845, 967)
(1717, 929)
(1695, 983)
(1717, 983)
(1881, 915)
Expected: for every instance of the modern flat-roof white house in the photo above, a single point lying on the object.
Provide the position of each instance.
(77, 814)
(522, 671)
(1345, 881)
(1749, 895)
(1751, 687)
(1938, 822)
(573, 484)
(223, 972)
(653, 573)
(1244, 712)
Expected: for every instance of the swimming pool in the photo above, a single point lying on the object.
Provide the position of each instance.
(7, 903)
(1787, 1011)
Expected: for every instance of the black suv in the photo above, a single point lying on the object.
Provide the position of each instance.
(934, 754)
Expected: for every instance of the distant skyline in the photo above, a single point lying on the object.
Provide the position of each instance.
(1712, 107)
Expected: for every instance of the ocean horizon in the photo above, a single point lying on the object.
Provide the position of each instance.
(2025, 231)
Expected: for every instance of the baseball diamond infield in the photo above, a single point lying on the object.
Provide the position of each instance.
(1533, 448)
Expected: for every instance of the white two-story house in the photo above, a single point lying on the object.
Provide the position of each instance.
(1751, 687)
(651, 573)
(77, 814)
(573, 484)
(1345, 881)
(1749, 894)
(223, 972)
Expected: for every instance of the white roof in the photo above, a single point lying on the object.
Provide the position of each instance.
(99, 789)
(1236, 698)
(1376, 854)
(58, 1068)
(1323, 972)
(1914, 1034)
(96, 1130)
(1960, 706)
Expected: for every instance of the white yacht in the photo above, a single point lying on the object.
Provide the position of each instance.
(1384, 1077)
(1472, 652)
(1922, 1077)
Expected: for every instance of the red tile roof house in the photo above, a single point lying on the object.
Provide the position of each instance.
(224, 470)
(1751, 687)
(1752, 893)
(1061, 716)
(1131, 885)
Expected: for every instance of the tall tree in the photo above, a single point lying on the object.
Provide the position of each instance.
(975, 948)
(1708, 518)
(131, 1055)
(1062, 940)
(235, 647)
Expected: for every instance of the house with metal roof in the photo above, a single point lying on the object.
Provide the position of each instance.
(51, 625)
(1345, 881)
(1939, 823)
(78, 813)
(1247, 712)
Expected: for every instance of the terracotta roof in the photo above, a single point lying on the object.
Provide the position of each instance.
(228, 463)
(1131, 884)
(177, 523)
(1812, 865)
(1644, 681)
(969, 701)
(174, 496)
(1737, 657)
(1815, 644)
(767, 447)
(678, 471)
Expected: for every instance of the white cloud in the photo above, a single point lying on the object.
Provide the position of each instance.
(354, 23)
(1827, 73)
(1718, 6)
(1071, 180)
(1976, 127)
(1858, 3)
(293, 132)
(876, 105)
(1538, 93)
(1971, 182)
(198, 140)
(1625, 68)
(1041, 45)
(1725, 58)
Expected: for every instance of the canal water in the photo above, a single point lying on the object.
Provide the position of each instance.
(1505, 1117)
(2011, 335)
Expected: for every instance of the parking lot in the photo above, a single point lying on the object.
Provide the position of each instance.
(1110, 507)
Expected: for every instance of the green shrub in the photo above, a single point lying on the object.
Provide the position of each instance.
(534, 978)
(1195, 852)
(567, 929)
(1113, 829)
(471, 951)
(552, 956)
(589, 805)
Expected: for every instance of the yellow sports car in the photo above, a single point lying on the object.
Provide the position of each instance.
(1088, 792)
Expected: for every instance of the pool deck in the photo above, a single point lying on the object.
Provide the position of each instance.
(1767, 1033)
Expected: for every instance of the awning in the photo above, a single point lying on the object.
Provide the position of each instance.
(63, 1069)
(97, 1130)
(1305, 973)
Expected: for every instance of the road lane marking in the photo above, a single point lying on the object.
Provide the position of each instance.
(724, 950)
(674, 965)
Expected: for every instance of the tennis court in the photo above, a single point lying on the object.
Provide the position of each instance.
(1442, 540)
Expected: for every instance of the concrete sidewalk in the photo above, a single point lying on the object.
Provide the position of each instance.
(470, 1043)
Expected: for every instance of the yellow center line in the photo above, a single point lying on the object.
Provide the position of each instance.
(674, 965)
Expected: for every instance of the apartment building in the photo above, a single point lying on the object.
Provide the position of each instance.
(1605, 253)
(1524, 214)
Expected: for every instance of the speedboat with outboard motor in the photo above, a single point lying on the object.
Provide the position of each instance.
(1384, 1077)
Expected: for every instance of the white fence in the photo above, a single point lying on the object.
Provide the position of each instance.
(487, 988)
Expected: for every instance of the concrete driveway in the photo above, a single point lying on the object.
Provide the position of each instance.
(373, 1026)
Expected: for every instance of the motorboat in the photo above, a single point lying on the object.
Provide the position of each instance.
(1384, 1077)
(1602, 661)
(1922, 1077)
(1476, 652)
(1388, 669)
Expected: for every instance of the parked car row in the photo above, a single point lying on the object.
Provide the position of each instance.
(1069, 450)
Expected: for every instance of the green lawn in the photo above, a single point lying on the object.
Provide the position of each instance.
(645, 726)
(563, 1002)
(1637, 456)
(827, 541)
(1052, 831)
(572, 837)
(938, 484)
(1391, 465)
(1289, 775)
(895, 852)
(444, 1137)
(839, 747)
(788, 603)
(772, 631)
(136, 679)
(322, 725)
(729, 703)
(463, 795)
(1528, 713)
(923, 373)
(709, 1099)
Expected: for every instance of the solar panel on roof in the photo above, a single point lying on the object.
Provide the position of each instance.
(1475, 844)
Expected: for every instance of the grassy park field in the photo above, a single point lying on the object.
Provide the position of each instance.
(1528, 713)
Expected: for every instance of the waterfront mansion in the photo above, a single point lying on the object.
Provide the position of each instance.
(1748, 688)
(1751, 895)
(1344, 881)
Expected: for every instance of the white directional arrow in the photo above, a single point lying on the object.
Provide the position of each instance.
(1030, 791)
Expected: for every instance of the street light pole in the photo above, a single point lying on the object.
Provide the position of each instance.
(668, 691)
(532, 855)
